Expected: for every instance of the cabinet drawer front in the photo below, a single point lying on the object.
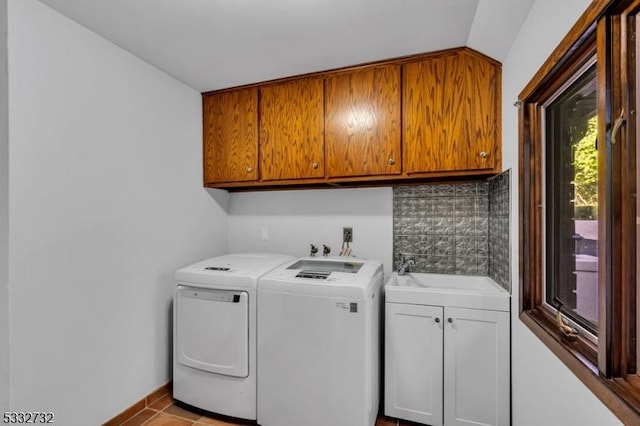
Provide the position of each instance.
(362, 122)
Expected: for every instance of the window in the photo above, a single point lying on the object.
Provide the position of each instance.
(571, 200)
(579, 210)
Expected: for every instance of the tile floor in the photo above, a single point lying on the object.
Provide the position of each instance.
(167, 412)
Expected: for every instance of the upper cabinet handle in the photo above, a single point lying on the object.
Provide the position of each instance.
(391, 161)
(483, 154)
(314, 165)
(249, 169)
(616, 126)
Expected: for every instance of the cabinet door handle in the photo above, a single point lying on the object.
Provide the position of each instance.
(314, 165)
(438, 320)
(249, 169)
(483, 154)
(391, 161)
(450, 320)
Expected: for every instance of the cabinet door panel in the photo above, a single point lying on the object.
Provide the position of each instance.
(230, 129)
(476, 367)
(362, 122)
(435, 113)
(413, 363)
(292, 130)
(450, 113)
(483, 79)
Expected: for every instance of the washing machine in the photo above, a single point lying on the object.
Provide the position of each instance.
(214, 350)
(319, 343)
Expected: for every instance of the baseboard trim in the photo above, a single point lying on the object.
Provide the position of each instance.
(140, 405)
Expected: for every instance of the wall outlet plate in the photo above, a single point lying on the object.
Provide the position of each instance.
(347, 235)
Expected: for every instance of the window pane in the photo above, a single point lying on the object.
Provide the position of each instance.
(571, 193)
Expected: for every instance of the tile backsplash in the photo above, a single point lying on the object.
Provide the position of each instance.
(456, 228)
(499, 211)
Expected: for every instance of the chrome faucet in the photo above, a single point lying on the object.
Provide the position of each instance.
(405, 265)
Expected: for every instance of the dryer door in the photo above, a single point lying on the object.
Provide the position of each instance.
(212, 330)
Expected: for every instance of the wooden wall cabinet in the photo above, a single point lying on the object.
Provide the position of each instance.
(230, 131)
(451, 107)
(362, 122)
(420, 117)
(292, 130)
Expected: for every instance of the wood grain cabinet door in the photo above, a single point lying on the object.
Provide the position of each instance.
(230, 130)
(484, 81)
(292, 130)
(450, 114)
(362, 122)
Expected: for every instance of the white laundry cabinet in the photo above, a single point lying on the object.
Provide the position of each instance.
(447, 365)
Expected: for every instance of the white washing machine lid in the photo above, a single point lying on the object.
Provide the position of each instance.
(325, 276)
(231, 270)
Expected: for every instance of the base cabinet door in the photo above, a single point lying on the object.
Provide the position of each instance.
(413, 359)
(476, 367)
(447, 366)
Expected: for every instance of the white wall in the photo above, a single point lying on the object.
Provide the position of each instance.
(4, 211)
(545, 392)
(295, 219)
(106, 202)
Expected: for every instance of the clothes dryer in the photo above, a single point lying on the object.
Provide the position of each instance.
(214, 357)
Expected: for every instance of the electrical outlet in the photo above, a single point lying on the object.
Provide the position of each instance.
(347, 235)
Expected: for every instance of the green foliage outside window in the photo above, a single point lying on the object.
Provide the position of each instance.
(585, 163)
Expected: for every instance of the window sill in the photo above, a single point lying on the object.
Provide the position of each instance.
(621, 396)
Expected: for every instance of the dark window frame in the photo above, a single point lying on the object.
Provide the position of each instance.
(559, 215)
(607, 367)
(532, 245)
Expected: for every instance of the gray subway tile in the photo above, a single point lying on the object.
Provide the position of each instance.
(443, 190)
(466, 189)
(443, 245)
(443, 225)
(423, 244)
(443, 207)
(465, 225)
(482, 246)
(466, 265)
(465, 246)
(465, 206)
